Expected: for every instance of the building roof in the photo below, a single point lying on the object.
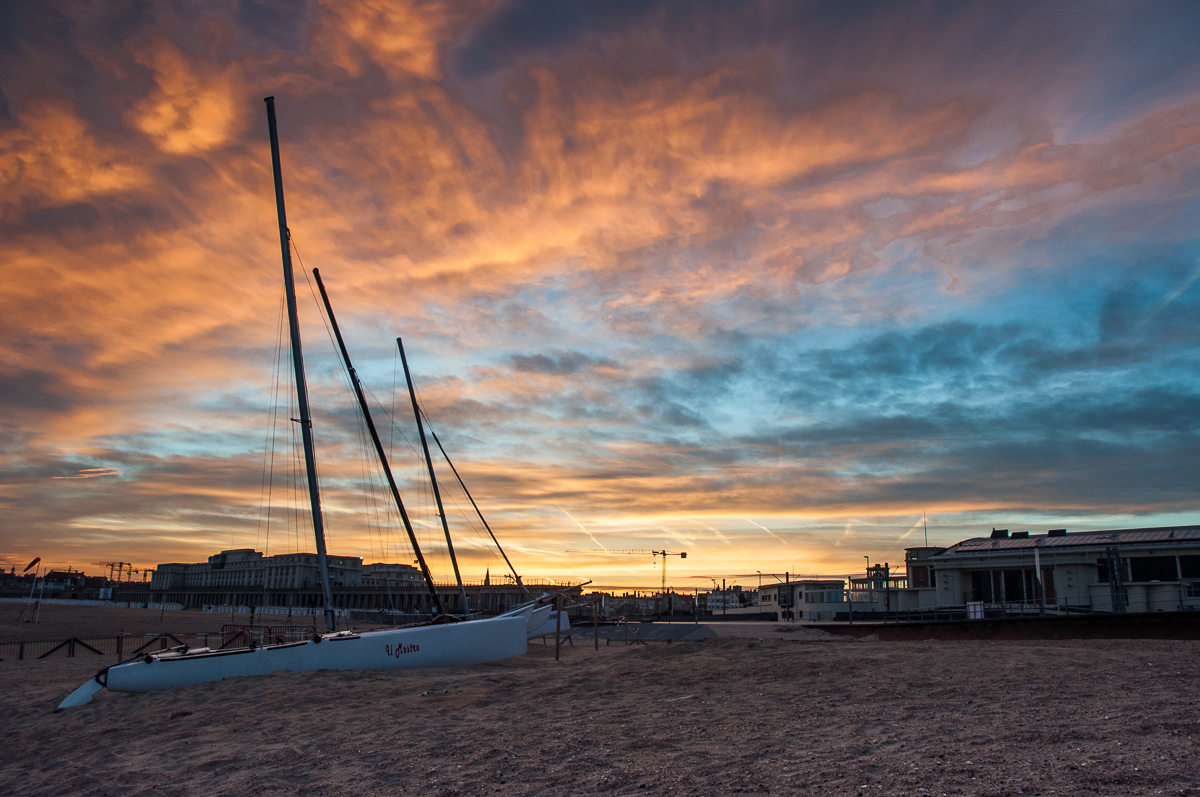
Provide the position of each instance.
(800, 582)
(1079, 539)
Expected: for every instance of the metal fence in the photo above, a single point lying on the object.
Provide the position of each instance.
(126, 646)
(1029, 608)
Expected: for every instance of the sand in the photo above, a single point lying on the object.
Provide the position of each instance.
(803, 713)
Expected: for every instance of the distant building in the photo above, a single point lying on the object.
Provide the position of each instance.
(59, 580)
(874, 592)
(386, 575)
(248, 568)
(645, 604)
(718, 600)
(243, 577)
(1124, 570)
(805, 599)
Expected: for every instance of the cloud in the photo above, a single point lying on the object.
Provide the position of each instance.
(558, 363)
(650, 260)
(186, 112)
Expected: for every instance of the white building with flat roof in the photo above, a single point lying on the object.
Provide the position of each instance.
(248, 568)
(805, 599)
(1121, 570)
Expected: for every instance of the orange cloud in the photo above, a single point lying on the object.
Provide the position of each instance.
(655, 207)
(191, 108)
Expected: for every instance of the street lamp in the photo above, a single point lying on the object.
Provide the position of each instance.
(759, 586)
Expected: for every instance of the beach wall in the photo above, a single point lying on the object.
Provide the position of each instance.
(1159, 625)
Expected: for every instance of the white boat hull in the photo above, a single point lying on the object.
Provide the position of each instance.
(540, 620)
(547, 627)
(448, 645)
(535, 616)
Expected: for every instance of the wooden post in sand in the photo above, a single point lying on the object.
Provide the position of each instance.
(596, 623)
(557, 624)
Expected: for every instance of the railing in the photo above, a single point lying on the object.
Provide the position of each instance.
(991, 611)
(119, 645)
(934, 614)
(170, 607)
(1032, 608)
(124, 646)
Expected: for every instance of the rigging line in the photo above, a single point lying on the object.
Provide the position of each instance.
(360, 426)
(275, 415)
(347, 379)
(380, 517)
(320, 307)
(296, 465)
(370, 504)
(482, 519)
(366, 493)
(328, 333)
(391, 419)
(366, 416)
(290, 481)
(392, 410)
(433, 477)
(269, 443)
(478, 532)
(375, 522)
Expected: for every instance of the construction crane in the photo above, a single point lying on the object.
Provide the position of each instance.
(119, 567)
(655, 554)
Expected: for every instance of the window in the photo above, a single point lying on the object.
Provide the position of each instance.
(983, 587)
(1153, 568)
(1014, 585)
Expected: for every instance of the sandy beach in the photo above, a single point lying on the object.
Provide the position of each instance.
(755, 709)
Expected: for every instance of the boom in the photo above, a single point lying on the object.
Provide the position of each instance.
(664, 554)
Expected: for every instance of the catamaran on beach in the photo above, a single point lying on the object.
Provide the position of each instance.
(442, 642)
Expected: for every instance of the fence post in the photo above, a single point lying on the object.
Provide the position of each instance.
(118, 647)
(558, 604)
(21, 652)
(71, 647)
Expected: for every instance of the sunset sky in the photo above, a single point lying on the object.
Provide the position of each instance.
(761, 282)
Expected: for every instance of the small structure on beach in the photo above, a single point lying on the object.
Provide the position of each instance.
(805, 599)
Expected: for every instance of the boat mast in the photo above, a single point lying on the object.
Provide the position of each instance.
(437, 495)
(310, 457)
(387, 471)
(478, 511)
